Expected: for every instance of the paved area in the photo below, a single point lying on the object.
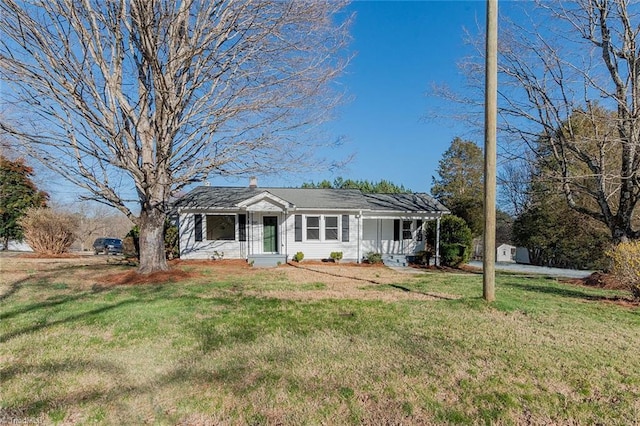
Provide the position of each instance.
(531, 269)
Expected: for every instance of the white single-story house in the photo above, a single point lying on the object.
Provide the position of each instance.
(270, 225)
(506, 253)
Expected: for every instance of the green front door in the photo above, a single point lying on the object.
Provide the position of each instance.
(270, 234)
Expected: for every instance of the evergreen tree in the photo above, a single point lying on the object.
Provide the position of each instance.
(18, 193)
(381, 187)
(460, 184)
(555, 233)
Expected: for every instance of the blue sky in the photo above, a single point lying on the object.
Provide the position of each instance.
(402, 48)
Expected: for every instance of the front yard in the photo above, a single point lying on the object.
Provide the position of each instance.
(83, 342)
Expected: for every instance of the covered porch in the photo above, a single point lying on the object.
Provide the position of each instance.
(398, 237)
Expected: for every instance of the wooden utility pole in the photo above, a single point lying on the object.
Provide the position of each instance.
(490, 126)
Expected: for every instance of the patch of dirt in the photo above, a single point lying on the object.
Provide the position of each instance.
(607, 282)
(134, 278)
(602, 280)
(598, 280)
(470, 269)
(349, 281)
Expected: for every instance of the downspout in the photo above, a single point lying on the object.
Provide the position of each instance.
(438, 241)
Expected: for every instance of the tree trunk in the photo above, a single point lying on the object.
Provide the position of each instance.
(152, 255)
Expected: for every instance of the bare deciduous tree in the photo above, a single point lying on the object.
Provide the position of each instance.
(96, 220)
(564, 80)
(569, 93)
(563, 77)
(134, 100)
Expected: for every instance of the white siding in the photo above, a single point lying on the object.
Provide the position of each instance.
(322, 248)
(205, 249)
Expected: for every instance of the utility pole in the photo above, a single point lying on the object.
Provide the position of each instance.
(490, 130)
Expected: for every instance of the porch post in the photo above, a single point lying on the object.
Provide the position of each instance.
(359, 249)
(283, 232)
(438, 241)
(250, 242)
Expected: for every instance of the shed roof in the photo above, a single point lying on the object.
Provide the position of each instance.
(222, 197)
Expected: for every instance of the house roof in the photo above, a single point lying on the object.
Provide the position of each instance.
(222, 197)
(406, 202)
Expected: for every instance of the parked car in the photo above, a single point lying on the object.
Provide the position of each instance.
(107, 246)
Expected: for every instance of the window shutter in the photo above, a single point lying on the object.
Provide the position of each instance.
(242, 227)
(345, 227)
(298, 227)
(419, 227)
(396, 230)
(198, 226)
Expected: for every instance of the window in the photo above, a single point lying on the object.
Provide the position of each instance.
(419, 236)
(313, 227)
(197, 226)
(221, 227)
(331, 228)
(396, 229)
(345, 227)
(242, 227)
(406, 230)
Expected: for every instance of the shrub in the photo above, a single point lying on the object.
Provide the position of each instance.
(171, 238)
(129, 246)
(453, 254)
(336, 256)
(298, 256)
(171, 242)
(132, 238)
(626, 265)
(455, 240)
(48, 231)
(372, 257)
(423, 257)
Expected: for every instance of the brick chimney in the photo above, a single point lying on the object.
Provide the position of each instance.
(253, 182)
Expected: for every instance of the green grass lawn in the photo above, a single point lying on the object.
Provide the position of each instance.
(204, 352)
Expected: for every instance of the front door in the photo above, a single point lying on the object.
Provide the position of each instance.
(270, 234)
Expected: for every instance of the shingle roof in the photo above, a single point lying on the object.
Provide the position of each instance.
(217, 197)
(404, 202)
(318, 198)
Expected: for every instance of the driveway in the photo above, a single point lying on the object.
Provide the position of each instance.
(531, 269)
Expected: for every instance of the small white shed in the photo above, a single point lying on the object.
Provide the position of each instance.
(506, 253)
